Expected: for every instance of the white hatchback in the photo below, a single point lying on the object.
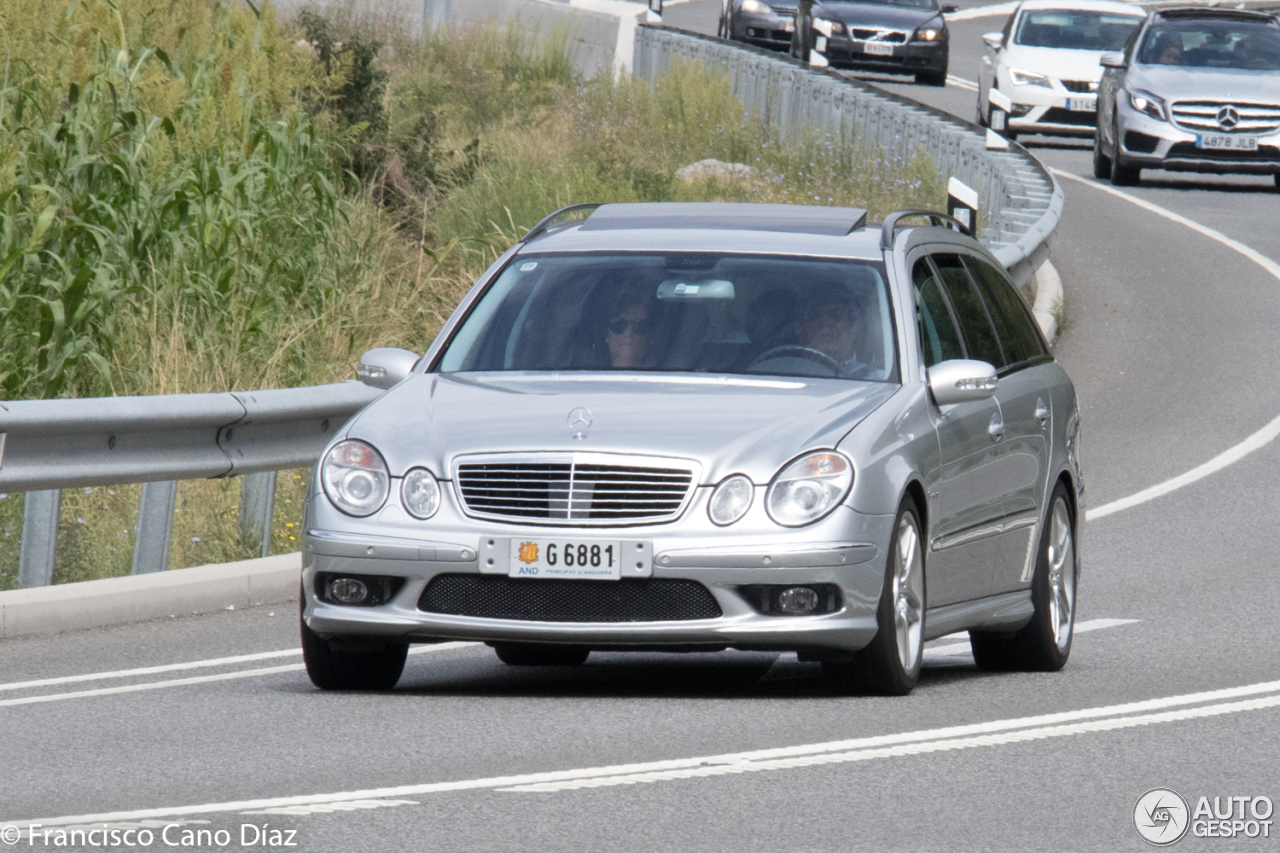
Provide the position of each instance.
(1040, 73)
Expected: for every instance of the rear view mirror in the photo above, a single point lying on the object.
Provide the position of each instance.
(1111, 60)
(995, 41)
(385, 366)
(713, 289)
(961, 380)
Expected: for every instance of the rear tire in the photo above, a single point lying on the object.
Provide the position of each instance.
(540, 654)
(329, 668)
(890, 665)
(1044, 644)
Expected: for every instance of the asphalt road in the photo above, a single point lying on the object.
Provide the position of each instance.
(1171, 346)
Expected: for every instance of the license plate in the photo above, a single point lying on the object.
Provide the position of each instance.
(878, 48)
(1223, 142)
(589, 559)
(1082, 105)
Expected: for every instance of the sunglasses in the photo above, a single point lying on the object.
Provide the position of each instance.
(640, 327)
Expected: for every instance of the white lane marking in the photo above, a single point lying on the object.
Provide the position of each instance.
(961, 83)
(1023, 736)
(1259, 439)
(329, 808)
(1146, 706)
(963, 648)
(198, 679)
(150, 670)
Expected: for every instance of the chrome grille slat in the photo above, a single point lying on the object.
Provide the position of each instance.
(574, 489)
(1203, 116)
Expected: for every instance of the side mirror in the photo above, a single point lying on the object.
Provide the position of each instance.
(961, 380)
(1111, 60)
(995, 41)
(950, 9)
(385, 366)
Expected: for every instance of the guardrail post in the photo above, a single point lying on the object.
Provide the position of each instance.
(39, 538)
(257, 505)
(155, 525)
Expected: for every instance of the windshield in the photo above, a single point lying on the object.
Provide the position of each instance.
(1075, 30)
(715, 313)
(1210, 43)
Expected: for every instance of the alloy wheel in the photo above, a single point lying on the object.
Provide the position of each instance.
(1062, 575)
(908, 593)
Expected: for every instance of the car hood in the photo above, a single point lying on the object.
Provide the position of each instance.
(875, 15)
(1056, 62)
(1174, 83)
(728, 424)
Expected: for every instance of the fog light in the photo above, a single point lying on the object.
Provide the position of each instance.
(798, 599)
(347, 591)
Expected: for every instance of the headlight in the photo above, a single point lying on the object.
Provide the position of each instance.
(757, 6)
(828, 28)
(1029, 78)
(731, 500)
(929, 33)
(809, 488)
(355, 478)
(1147, 103)
(420, 493)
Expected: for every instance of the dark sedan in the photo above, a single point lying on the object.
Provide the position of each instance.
(757, 22)
(886, 36)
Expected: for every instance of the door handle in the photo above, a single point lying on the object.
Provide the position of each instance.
(1042, 413)
(996, 428)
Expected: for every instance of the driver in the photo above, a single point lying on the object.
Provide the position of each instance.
(831, 322)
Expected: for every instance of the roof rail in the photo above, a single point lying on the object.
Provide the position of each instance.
(550, 220)
(935, 218)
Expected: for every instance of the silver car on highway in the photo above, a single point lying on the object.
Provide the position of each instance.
(691, 427)
(1195, 89)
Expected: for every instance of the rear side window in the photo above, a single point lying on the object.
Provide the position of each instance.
(939, 339)
(1008, 312)
(975, 325)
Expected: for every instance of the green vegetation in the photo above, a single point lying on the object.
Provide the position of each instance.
(195, 196)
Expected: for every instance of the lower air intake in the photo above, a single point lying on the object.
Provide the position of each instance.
(627, 600)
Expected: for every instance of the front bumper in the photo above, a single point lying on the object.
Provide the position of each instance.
(768, 31)
(846, 549)
(1147, 143)
(909, 58)
(1052, 111)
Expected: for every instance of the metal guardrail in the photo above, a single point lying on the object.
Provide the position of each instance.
(48, 445)
(1022, 199)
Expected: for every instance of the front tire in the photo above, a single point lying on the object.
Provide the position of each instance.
(1121, 174)
(1101, 162)
(540, 654)
(932, 78)
(1044, 644)
(375, 668)
(890, 665)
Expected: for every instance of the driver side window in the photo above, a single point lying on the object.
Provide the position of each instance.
(939, 339)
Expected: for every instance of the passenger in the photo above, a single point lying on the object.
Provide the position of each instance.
(831, 322)
(1169, 49)
(627, 333)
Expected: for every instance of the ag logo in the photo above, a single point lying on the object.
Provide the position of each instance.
(1161, 816)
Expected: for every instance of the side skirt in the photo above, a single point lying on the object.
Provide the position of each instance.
(1005, 612)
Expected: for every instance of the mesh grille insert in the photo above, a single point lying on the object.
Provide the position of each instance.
(529, 600)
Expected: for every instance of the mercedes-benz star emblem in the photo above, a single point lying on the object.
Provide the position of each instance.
(1228, 118)
(579, 420)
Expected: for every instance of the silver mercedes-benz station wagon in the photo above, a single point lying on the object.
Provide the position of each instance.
(692, 427)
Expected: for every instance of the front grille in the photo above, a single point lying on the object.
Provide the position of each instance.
(887, 36)
(1084, 87)
(586, 489)
(1057, 115)
(1189, 151)
(527, 600)
(1200, 116)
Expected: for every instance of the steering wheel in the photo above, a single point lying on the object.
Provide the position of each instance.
(798, 351)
